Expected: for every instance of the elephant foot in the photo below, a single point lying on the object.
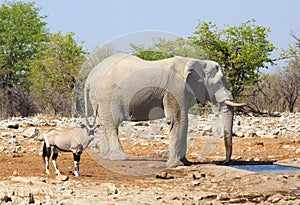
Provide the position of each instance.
(182, 162)
(226, 162)
(186, 162)
(115, 156)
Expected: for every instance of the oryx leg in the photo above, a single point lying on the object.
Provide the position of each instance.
(76, 163)
(54, 157)
(46, 155)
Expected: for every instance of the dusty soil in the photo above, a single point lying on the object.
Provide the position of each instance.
(205, 182)
(245, 151)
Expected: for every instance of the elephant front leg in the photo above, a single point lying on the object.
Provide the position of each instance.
(228, 123)
(228, 148)
(112, 149)
(177, 119)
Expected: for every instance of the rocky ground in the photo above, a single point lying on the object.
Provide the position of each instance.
(144, 179)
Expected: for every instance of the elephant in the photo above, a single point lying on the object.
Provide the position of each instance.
(127, 88)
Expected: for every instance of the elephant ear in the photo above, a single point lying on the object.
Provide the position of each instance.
(194, 77)
(218, 88)
(207, 81)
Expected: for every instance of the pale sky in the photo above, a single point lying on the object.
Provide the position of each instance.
(97, 22)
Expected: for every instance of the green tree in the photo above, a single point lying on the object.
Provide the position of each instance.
(163, 48)
(242, 51)
(150, 54)
(53, 79)
(22, 38)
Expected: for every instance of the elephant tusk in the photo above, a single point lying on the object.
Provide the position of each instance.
(233, 104)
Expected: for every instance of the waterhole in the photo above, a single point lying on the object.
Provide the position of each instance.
(267, 168)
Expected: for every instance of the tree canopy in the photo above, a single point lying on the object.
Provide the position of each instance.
(22, 36)
(242, 50)
(53, 78)
(163, 48)
(35, 65)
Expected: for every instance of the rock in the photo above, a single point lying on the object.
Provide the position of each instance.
(61, 177)
(13, 126)
(261, 133)
(31, 199)
(142, 124)
(31, 132)
(15, 173)
(164, 175)
(195, 183)
(110, 188)
(6, 199)
(224, 197)
(8, 135)
(13, 141)
(275, 198)
(206, 195)
(250, 134)
(198, 175)
(276, 114)
(239, 134)
(276, 132)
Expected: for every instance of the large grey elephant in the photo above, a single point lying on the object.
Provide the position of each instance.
(127, 88)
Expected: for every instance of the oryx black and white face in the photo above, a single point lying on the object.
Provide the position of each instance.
(90, 130)
(91, 127)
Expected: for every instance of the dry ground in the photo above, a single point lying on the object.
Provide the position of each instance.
(246, 150)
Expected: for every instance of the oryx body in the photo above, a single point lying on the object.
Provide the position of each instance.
(74, 140)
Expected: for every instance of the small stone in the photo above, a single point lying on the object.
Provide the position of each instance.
(31, 132)
(275, 198)
(224, 197)
(8, 135)
(195, 183)
(6, 199)
(110, 188)
(164, 175)
(239, 134)
(31, 199)
(62, 177)
(13, 126)
(250, 134)
(198, 175)
(276, 132)
(276, 114)
(15, 173)
(206, 195)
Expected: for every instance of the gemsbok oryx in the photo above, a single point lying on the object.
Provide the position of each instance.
(74, 140)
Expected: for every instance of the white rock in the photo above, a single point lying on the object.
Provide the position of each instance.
(31, 132)
(110, 189)
(62, 177)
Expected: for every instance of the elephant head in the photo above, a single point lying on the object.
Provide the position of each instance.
(206, 81)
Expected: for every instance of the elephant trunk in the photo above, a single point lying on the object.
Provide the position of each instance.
(227, 112)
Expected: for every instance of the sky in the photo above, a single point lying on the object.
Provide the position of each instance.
(98, 22)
